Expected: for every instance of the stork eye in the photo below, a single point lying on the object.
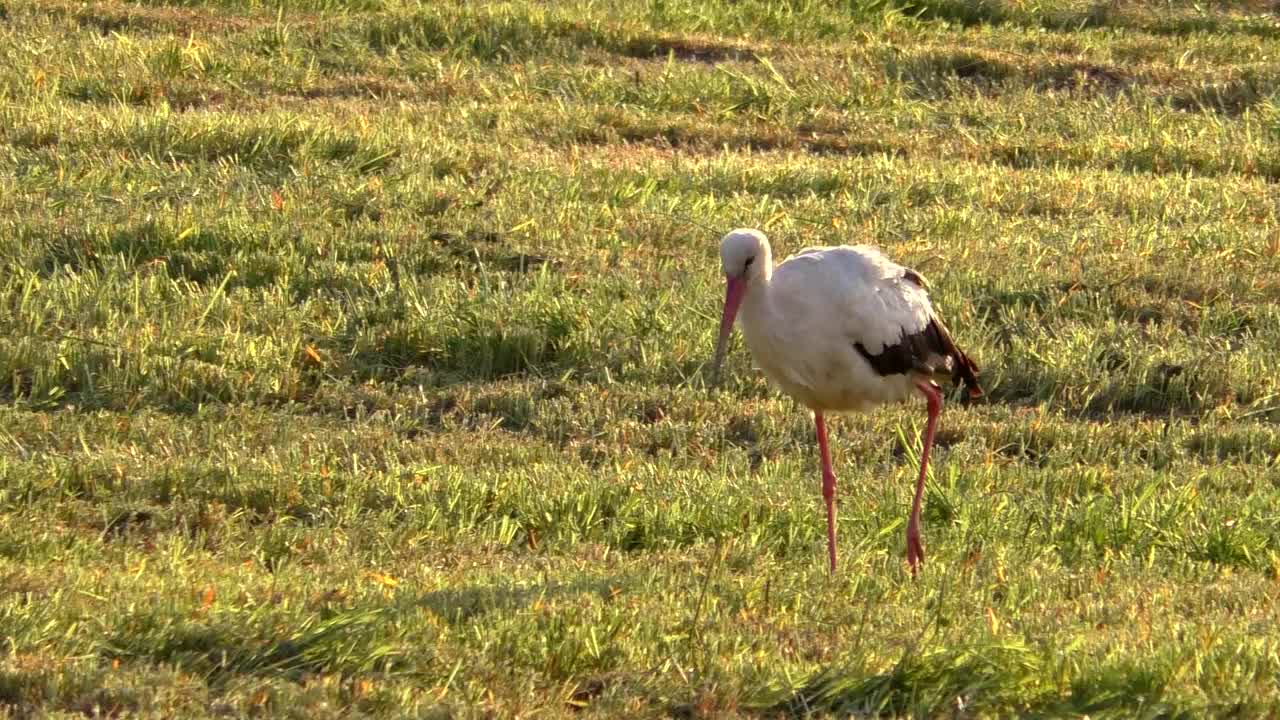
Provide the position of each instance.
(747, 264)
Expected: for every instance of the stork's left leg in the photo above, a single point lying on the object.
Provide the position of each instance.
(915, 548)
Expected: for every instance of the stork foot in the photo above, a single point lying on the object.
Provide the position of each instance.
(915, 548)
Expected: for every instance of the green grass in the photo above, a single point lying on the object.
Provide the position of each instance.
(354, 359)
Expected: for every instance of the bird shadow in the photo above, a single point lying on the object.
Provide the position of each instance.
(458, 605)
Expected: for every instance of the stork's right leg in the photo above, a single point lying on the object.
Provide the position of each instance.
(915, 548)
(828, 486)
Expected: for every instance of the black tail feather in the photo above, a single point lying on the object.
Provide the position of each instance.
(964, 371)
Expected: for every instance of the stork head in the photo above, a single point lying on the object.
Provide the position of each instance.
(746, 259)
(744, 252)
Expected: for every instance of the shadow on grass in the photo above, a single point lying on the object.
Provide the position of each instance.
(927, 684)
(994, 678)
(458, 605)
(345, 642)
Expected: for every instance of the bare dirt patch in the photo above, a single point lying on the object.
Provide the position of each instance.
(107, 18)
(688, 49)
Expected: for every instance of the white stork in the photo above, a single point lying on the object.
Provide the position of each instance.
(841, 328)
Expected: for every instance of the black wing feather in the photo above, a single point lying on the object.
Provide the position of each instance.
(930, 351)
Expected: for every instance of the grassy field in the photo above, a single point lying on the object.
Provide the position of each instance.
(354, 358)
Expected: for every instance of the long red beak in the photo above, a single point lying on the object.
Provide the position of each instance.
(733, 293)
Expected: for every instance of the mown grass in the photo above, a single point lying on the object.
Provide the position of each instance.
(354, 359)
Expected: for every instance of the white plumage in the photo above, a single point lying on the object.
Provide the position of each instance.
(840, 328)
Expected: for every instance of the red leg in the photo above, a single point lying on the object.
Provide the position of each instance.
(828, 486)
(915, 548)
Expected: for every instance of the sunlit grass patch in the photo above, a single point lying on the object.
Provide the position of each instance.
(354, 359)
